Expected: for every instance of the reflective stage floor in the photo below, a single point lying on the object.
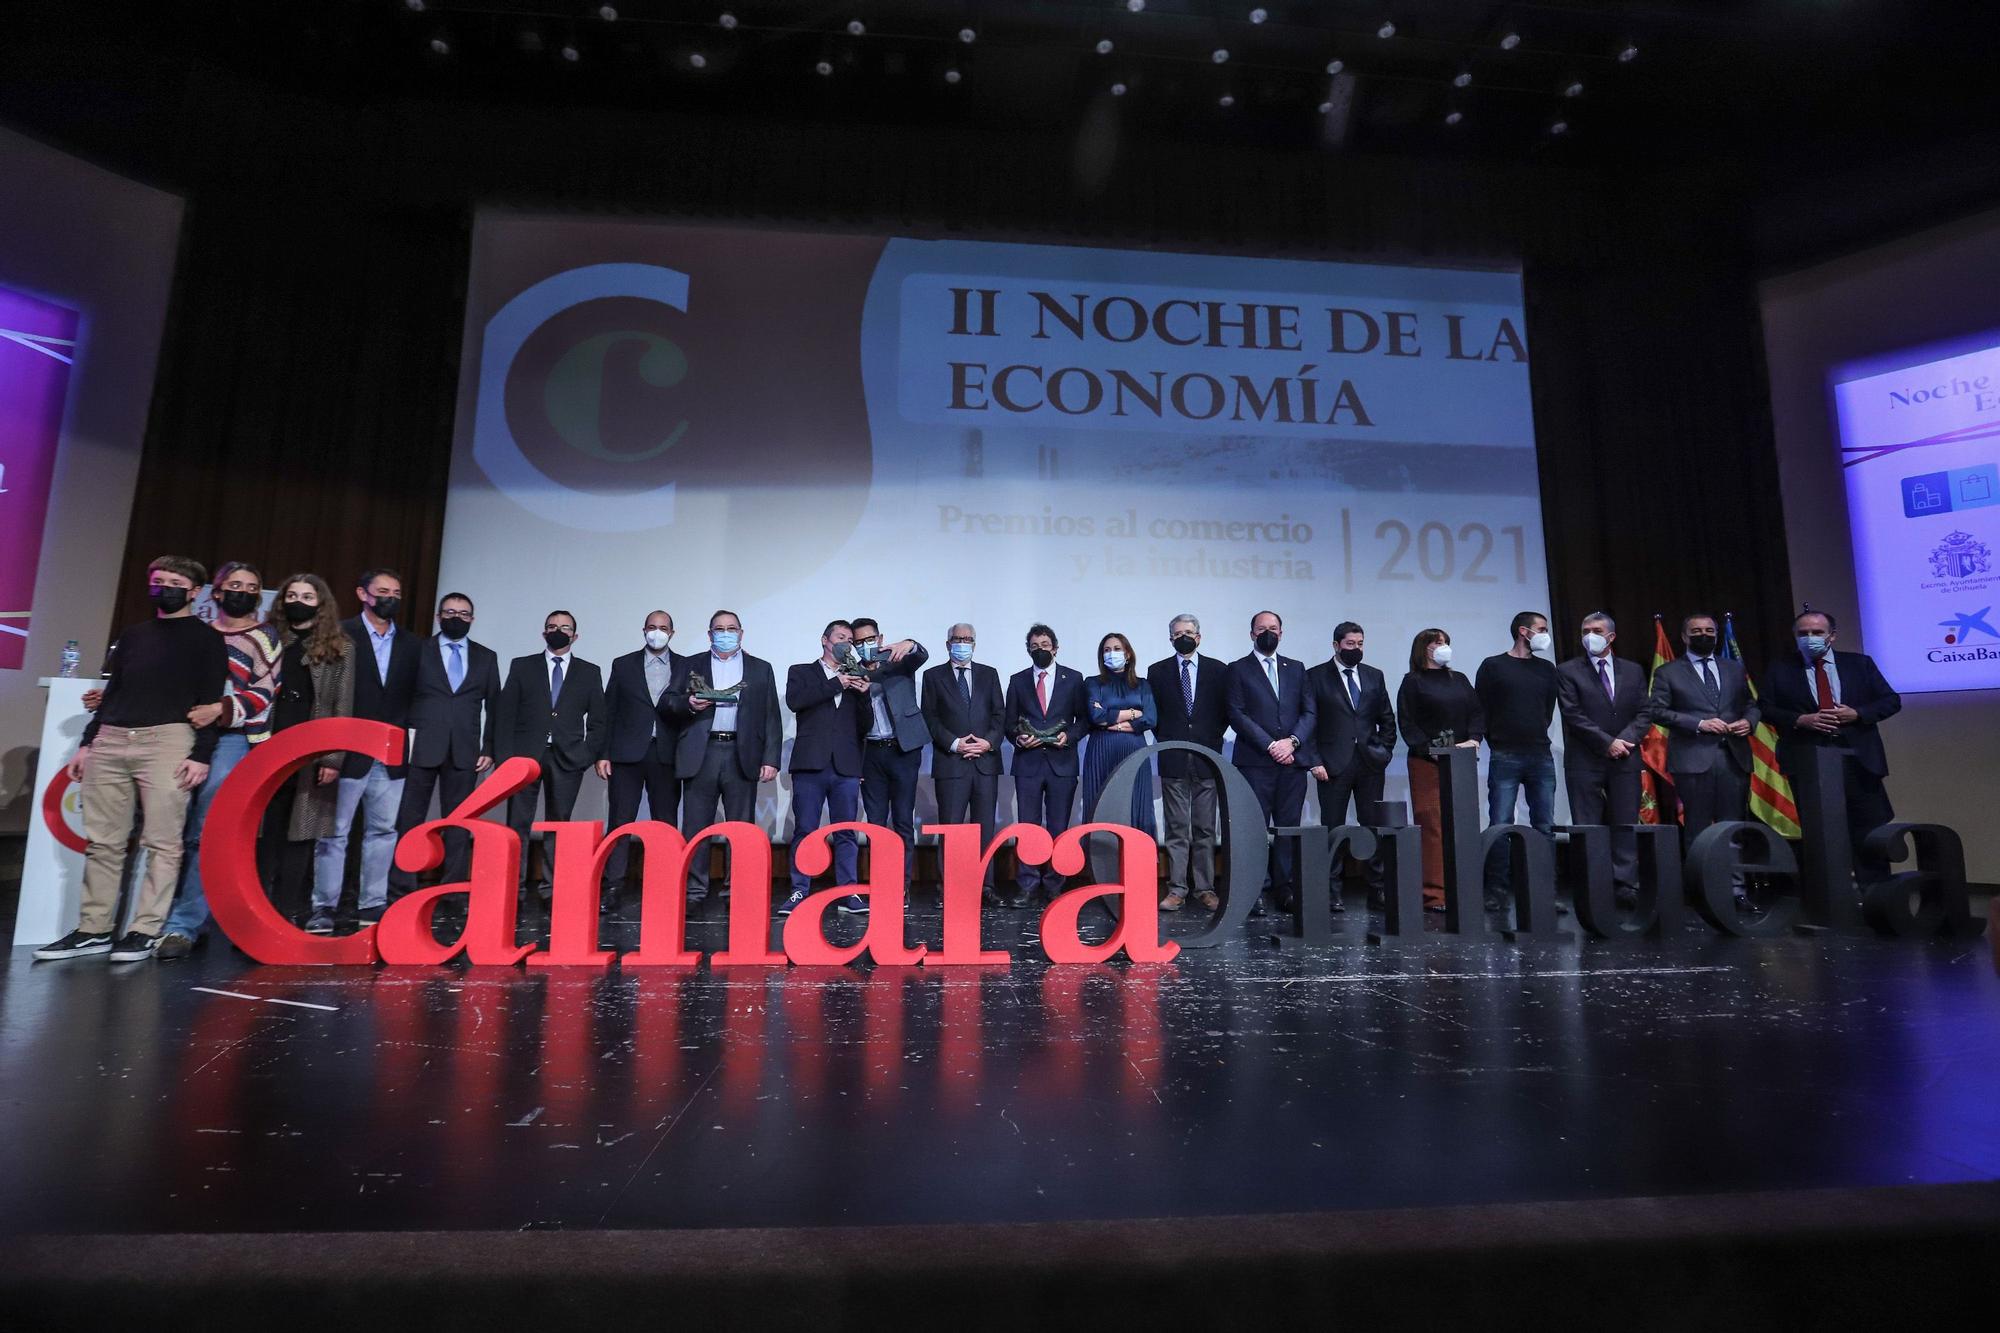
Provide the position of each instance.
(1248, 1079)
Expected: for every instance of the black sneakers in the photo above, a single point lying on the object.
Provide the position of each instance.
(76, 944)
(134, 947)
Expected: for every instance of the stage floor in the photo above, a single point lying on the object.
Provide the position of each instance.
(1248, 1079)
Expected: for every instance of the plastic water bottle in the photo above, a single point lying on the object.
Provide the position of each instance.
(72, 659)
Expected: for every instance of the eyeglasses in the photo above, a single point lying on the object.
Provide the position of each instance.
(454, 615)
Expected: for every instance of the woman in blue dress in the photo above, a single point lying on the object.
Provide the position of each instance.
(1121, 715)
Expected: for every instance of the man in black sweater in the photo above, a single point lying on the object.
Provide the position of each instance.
(1517, 691)
(140, 749)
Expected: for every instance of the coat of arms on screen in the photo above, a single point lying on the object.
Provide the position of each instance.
(1960, 556)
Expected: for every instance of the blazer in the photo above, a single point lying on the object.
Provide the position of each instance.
(1067, 708)
(453, 728)
(896, 683)
(1203, 726)
(633, 726)
(760, 725)
(1349, 741)
(375, 698)
(576, 723)
(1679, 703)
(1862, 688)
(948, 718)
(1260, 717)
(1592, 720)
(832, 721)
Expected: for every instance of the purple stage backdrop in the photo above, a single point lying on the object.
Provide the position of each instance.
(37, 347)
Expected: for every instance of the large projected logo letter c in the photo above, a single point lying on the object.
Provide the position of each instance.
(494, 447)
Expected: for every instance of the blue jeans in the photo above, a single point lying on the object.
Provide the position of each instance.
(825, 791)
(190, 914)
(379, 796)
(1509, 775)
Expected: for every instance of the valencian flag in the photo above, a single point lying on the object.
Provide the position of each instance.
(1770, 794)
(1657, 802)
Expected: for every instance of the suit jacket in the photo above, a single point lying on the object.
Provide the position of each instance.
(896, 682)
(1067, 708)
(454, 727)
(832, 721)
(1261, 717)
(760, 725)
(1350, 741)
(1592, 720)
(630, 719)
(948, 718)
(1679, 703)
(1204, 726)
(375, 698)
(576, 722)
(1862, 688)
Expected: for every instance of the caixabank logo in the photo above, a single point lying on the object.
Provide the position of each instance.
(1965, 634)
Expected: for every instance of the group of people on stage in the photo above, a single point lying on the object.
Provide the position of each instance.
(184, 701)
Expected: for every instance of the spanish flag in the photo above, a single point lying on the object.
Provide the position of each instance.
(1770, 794)
(1657, 803)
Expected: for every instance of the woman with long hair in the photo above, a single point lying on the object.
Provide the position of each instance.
(1121, 713)
(315, 680)
(1435, 707)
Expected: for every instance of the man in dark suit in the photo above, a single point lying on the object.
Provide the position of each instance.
(966, 714)
(1704, 703)
(452, 715)
(1824, 699)
(1603, 704)
(1044, 697)
(1271, 712)
(1352, 738)
(726, 748)
(896, 734)
(640, 740)
(385, 679)
(1191, 698)
(551, 711)
(829, 697)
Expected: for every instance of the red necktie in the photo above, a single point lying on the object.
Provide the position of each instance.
(1823, 685)
(1042, 691)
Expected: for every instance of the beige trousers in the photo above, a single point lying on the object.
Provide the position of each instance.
(130, 767)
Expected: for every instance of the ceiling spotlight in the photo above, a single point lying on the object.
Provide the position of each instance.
(696, 60)
(1335, 66)
(823, 68)
(1510, 41)
(1628, 55)
(1136, 6)
(571, 54)
(727, 21)
(608, 13)
(952, 76)
(440, 47)
(1259, 15)
(1386, 31)
(1104, 46)
(1560, 127)
(1118, 89)
(414, 6)
(1325, 108)
(855, 27)
(1219, 55)
(1573, 90)
(1463, 79)
(968, 36)
(1225, 100)
(1453, 117)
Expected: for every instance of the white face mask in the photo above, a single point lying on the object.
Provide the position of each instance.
(656, 639)
(1441, 654)
(1595, 644)
(1539, 643)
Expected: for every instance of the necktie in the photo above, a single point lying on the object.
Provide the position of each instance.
(1187, 688)
(1042, 691)
(965, 688)
(455, 670)
(555, 683)
(1821, 685)
(1709, 681)
(1271, 670)
(1604, 674)
(1353, 690)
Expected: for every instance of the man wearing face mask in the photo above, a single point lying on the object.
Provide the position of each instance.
(1191, 697)
(385, 680)
(140, 753)
(726, 748)
(966, 712)
(1603, 702)
(894, 754)
(1517, 692)
(831, 705)
(552, 711)
(453, 712)
(1822, 699)
(1047, 698)
(242, 719)
(1271, 711)
(1352, 743)
(1704, 703)
(639, 755)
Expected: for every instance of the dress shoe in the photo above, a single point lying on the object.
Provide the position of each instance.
(1376, 901)
(1173, 902)
(1207, 900)
(1339, 903)
(988, 898)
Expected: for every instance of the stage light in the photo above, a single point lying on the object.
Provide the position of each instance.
(1117, 90)
(1386, 31)
(824, 68)
(1559, 128)
(440, 47)
(1575, 89)
(1463, 79)
(952, 76)
(608, 13)
(1136, 6)
(1104, 46)
(1225, 100)
(571, 54)
(1219, 55)
(1325, 108)
(1453, 117)
(414, 6)
(1335, 66)
(696, 60)
(727, 21)
(968, 36)
(1628, 55)
(1510, 41)
(856, 28)
(1259, 15)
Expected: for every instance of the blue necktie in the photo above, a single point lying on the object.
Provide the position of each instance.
(1353, 690)
(1187, 688)
(965, 688)
(555, 684)
(455, 670)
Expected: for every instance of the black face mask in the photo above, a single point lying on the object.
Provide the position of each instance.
(454, 629)
(1041, 657)
(1701, 645)
(238, 604)
(1349, 656)
(385, 608)
(299, 614)
(1267, 642)
(169, 600)
(556, 639)
(1184, 644)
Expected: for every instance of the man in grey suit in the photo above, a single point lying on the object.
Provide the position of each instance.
(1704, 703)
(1604, 713)
(893, 756)
(727, 748)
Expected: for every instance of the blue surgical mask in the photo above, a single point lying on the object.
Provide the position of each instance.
(961, 652)
(1114, 660)
(724, 641)
(1813, 645)
(867, 651)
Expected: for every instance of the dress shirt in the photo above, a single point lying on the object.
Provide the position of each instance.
(1832, 675)
(722, 673)
(659, 669)
(1192, 662)
(382, 643)
(1269, 666)
(1706, 669)
(830, 673)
